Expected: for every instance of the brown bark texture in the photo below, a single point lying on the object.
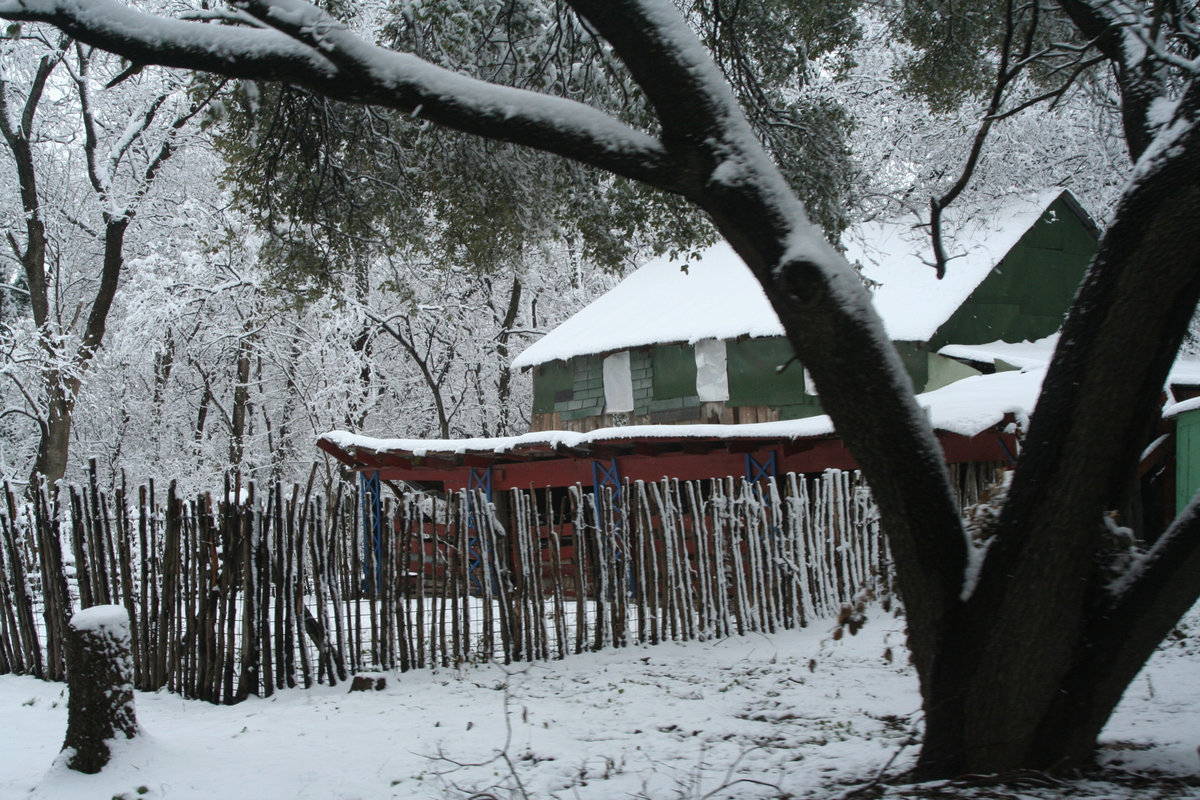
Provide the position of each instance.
(100, 686)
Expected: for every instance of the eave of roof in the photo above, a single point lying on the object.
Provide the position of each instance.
(964, 408)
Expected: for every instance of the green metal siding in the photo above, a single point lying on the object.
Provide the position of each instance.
(755, 378)
(587, 389)
(1187, 458)
(664, 379)
(548, 380)
(575, 389)
(674, 367)
(642, 371)
(1027, 294)
(945, 371)
(916, 363)
(674, 383)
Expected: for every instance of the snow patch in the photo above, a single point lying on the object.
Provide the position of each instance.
(112, 618)
(1175, 409)
(1022, 355)
(795, 709)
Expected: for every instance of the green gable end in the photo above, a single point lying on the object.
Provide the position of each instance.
(1029, 291)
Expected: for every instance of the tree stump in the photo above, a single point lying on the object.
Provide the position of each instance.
(100, 686)
(368, 681)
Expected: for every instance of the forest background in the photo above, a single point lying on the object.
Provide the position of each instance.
(228, 269)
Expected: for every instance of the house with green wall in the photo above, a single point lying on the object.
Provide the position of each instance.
(623, 388)
(695, 341)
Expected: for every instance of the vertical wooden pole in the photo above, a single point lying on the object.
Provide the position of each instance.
(356, 571)
(420, 546)
(145, 635)
(242, 517)
(334, 529)
(556, 564)
(82, 572)
(294, 624)
(125, 549)
(407, 517)
(456, 540)
(26, 651)
(262, 563)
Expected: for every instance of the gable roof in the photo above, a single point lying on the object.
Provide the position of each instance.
(717, 297)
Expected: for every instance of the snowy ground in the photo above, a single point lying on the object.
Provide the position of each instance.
(794, 714)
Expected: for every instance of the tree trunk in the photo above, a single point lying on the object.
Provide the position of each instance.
(1031, 667)
(240, 413)
(100, 686)
(504, 381)
(55, 442)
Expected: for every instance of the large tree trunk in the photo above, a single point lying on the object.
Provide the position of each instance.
(62, 390)
(1034, 663)
(55, 442)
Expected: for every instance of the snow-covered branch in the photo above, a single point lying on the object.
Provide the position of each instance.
(308, 47)
(1144, 49)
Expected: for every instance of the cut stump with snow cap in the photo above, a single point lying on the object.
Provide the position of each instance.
(99, 685)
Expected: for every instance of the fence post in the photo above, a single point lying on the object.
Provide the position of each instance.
(372, 530)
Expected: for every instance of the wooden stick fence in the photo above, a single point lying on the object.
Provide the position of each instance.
(277, 590)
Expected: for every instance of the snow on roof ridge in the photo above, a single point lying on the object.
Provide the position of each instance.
(670, 300)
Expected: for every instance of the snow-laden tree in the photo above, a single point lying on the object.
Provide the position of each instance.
(212, 369)
(331, 182)
(73, 119)
(910, 142)
(456, 330)
(1021, 667)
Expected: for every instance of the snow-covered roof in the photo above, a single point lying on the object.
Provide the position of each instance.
(1030, 355)
(665, 300)
(967, 407)
(1185, 372)
(1017, 354)
(717, 297)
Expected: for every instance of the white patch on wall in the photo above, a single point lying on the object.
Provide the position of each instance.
(810, 386)
(618, 383)
(712, 373)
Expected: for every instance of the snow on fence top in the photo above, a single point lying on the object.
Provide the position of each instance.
(670, 300)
